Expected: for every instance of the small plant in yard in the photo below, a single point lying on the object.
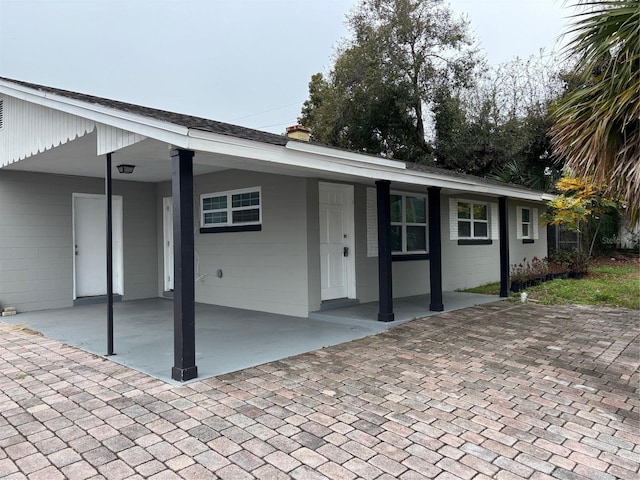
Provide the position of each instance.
(578, 264)
(518, 272)
(525, 273)
(559, 262)
(519, 275)
(558, 270)
(539, 269)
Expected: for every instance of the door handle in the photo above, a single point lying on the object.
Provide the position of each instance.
(345, 252)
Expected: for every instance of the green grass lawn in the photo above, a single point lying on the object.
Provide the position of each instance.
(606, 285)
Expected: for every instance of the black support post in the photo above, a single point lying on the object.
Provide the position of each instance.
(503, 211)
(109, 245)
(435, 249)
(385, 285)
(184, 339)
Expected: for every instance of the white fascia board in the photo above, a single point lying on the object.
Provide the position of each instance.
(229, 145)
(341, 155)
(239, 147)
(148, 127)
(448, 182)
(471, 185)
(284, 156)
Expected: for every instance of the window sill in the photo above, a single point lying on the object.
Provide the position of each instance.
(472, 241)
(528, 240)
(407, 257)
(231, 228)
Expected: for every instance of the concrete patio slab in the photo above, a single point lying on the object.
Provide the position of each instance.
(227, 339)
(405, 308)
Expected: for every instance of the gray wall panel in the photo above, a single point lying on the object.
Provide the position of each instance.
(409, 278)
(313, 245)
(465, 266)
(265, 270)
(36, 238)
(518, 250)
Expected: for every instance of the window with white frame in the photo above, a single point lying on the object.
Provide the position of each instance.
(527, 223)
(473, 220)
(408, 223)
(235, 207)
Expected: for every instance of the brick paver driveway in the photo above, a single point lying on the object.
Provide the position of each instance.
(497, 391)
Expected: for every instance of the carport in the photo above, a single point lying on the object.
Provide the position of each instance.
(183, 201)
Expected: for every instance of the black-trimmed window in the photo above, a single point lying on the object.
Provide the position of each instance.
(473, 220)
(408, 223)
(235, 207)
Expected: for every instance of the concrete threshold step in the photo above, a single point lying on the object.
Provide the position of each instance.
(338, 303)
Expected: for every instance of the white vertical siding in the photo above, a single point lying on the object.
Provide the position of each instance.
(495, 221)
(372, 223)
(28, 129)
(111, 139)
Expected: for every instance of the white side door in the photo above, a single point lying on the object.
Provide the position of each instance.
(167, 225)
(90, 252)
(337, 260)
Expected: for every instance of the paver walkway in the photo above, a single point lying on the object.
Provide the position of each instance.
(500, 391)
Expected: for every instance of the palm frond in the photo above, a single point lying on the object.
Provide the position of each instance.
(597, 127)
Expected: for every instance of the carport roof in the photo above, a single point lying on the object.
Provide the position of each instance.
(186, 131)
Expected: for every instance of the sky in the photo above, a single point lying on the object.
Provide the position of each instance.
(246, 62)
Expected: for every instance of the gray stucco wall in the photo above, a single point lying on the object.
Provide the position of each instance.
(313, 245)
(409, 278)
(36, 238)
(465, 266)
(518, 250)
(278, 269)
(265, 270)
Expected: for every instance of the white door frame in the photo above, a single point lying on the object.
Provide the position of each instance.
(350, 232)
(117, 234)
(167, 245)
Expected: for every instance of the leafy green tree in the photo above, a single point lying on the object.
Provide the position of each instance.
(377, 97)
(581, 206)
(409, 86)
(597, 126)
(498, 128)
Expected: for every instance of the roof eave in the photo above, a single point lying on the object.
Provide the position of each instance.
(163, 131)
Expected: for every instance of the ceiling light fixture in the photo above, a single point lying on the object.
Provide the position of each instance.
(126, 169)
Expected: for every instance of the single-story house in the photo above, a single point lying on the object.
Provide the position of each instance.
(210, 212)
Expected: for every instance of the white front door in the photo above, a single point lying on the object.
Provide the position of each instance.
(90, 252)
(167, 224)
(337, 255)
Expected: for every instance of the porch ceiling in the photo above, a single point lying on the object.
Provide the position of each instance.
(79, 157)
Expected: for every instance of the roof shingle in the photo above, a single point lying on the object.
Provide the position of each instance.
(187, 121)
